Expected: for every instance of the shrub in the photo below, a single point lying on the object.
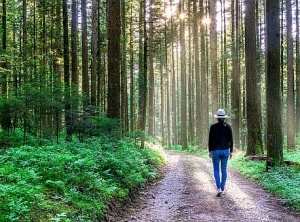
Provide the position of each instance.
(71, 181)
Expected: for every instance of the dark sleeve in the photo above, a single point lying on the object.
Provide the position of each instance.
(210, 139)
(230, 138)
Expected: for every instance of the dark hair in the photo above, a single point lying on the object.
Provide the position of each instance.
(222, 120)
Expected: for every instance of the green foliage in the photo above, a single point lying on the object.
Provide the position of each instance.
(89, 123)
(106, 127)
(248, 168)
(16, 139)
(292, 155)
(71, 181)
(6, 114)
(136, 135)
(37, 113)
(283, 181)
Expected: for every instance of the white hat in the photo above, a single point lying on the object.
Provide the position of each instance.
(221, 114)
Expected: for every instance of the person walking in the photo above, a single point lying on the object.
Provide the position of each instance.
(220, 147)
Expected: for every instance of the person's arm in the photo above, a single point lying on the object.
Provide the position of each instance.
(230, 141)
(210, 141)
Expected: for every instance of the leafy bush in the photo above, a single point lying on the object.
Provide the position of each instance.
(17, 139)
(71, 181)
(86, 125)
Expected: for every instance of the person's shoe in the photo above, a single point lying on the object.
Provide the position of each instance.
(219, 192)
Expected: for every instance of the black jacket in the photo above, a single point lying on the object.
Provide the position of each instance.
(220, 137)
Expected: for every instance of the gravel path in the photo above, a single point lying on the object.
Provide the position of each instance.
(187, 193)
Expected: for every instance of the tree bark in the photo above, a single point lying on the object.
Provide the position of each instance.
(290, 78)
(68, 119)
(213, 55)
(94, 51)
(113, 36)
(85, 55)
(191, 78)
(204, 91)
(199, 113)
(167, 80)
(297, 130)
(132, 94)
(24, 50)
(144, 79)
(252, 101)
(273, 97)
(4, 46)
(162, 97)
(173, 88)
(74, 31)
(124, 97)
(183, 81)
(151, 73)
(142, 91)
(235, 84)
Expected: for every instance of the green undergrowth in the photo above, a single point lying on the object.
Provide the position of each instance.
(71, 181)
(283, 181)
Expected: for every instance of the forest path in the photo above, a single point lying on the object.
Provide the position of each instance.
(187, 193)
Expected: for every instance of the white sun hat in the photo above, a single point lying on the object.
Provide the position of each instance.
(220, 114)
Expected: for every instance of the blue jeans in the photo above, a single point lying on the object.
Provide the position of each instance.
(220, 156)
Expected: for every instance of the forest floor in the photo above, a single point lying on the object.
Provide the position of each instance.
(187, 193)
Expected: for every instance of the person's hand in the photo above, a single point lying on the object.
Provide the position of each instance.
(210, 155)
(230, 155)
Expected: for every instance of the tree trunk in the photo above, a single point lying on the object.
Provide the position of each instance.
(151, 73)
(273, 97)
(132, 94)
(124, 98)
(224, 58)
(74, 30)
(4, 63)
(183, 81)
(102, 62)
(191, 80)
(94, 51)
(167, 81)
(199, 113)
(222, 74)
(24, 50)
(213, 55)
(67, 72)
(297, 70)
(57, 66)
(141, 66)
(85, 56)
(173, 90)
(204, 92)
(113, 36)
(58, 52)
(290, 78)
(235, 85)
(162, 97)
(253, 106)
(191, 103)
(145, 82)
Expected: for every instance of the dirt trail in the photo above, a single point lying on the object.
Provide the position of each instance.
(187, 193)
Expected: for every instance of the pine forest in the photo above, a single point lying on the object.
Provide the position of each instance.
(72, 71)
